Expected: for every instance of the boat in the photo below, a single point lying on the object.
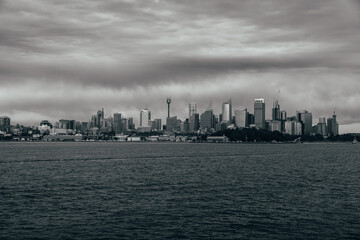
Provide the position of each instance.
(354, 141)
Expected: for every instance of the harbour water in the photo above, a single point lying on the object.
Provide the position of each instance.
(104, 190)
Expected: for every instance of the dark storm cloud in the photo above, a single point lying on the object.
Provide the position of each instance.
(131, 45)
(147, 73)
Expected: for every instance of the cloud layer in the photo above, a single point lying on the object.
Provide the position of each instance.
(66, 59)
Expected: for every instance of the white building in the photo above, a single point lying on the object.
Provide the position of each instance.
(241, 118)
(227, 111)
(145, 117)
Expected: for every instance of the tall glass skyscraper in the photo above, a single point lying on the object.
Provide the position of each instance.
(305, 118)
(227, 112)
(145, 116)
(276, 114)
(259, 112)
(192, 109)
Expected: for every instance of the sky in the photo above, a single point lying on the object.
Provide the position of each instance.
(67, 59)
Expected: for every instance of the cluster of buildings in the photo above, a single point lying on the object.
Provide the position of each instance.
(206, 122)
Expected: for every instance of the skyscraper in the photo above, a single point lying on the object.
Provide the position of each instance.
(241, 118)
(276, 114)
(5, 124)
(192, 109)
(145, 116)
(293, 126)
(194, 122)
(305, 118)
(259, 112)
(321, 127)
(207, 120)
(118, 123)
(333, 126)
(156, 125)
(171, 124)
(227, 111)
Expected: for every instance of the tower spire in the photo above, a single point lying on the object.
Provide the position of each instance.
(168, 101)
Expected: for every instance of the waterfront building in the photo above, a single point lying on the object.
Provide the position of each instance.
(184, 126)
(332, 125)
(207, 120)
(118, 123)
(171, 124)
(156, 125)
(5, 124)
(305, 118)
(84, 126)
(259, 113)
(221, 126)
(241, 118)
(194, 122)
(130, 124)
(293, 126)
(227, 111)
(274, 125)
(321, 127)
(145, 116)
(276, 113)
(250, 119)
(192, 109)
(99, 117)
(66, 124)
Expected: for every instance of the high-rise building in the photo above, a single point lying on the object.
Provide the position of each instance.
(192, 109)
(274, 125)
(156, 125)
(321, 127)
(145, 117)
(194, 122)
(250, 119)
(130, 124)
(241, 118)
(67, 124)
(227, 111)
(171, 124)
(5, 124)
(305, 118)
(184, 126)
(118, 123)
(99, 117)
(207, 120)
(259, 113)
(332, 125)
(293, 126)
(276, 114)
(84, 126)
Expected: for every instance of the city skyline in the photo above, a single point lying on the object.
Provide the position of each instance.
(68, 59)
(144, 120)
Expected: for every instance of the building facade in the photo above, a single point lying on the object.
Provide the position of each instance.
(227, 112)
(145, 117)
(241, 118)
(259, 113)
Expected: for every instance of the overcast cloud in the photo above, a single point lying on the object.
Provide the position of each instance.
(66, 59)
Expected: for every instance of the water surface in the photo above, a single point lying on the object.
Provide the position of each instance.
(179, 190)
